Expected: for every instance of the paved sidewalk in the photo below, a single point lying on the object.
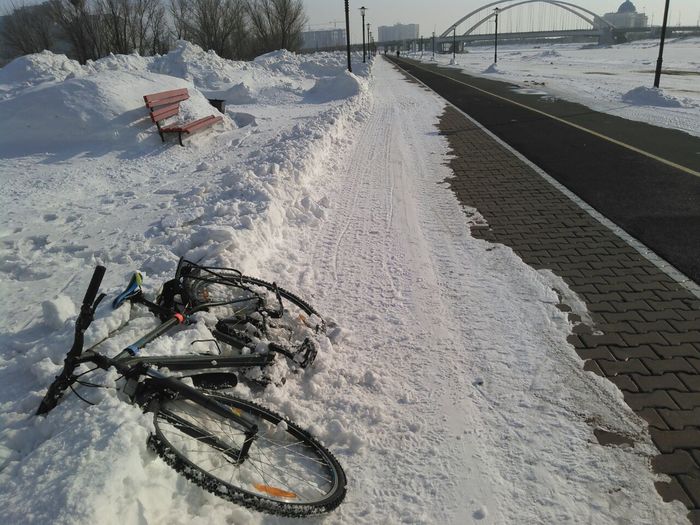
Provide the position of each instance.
(646, 337)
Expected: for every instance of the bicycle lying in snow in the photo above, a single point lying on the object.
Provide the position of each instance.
(231, 447)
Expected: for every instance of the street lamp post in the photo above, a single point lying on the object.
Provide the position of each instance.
(454, 43)
(657, 76)
(347, 31)
(364, 52)
(433, 45)
(495, 37)
(369, 47)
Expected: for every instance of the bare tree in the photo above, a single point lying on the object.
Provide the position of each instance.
(212, 24)
(179, 10)
(82, 27)
(276, 24)
(27, 29)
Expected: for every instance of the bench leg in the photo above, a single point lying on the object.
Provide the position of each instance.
(179, 137)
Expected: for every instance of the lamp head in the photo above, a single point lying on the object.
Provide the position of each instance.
(363, 9)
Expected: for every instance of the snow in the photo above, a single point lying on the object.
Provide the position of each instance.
(446, 387)
(612, 79)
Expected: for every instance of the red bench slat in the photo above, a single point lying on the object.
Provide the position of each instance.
(165, 112)
(156, 99)
(193, 126)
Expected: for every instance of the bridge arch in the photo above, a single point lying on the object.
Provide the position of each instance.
(508, 4)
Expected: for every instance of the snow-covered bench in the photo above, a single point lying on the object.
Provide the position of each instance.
(166, 104)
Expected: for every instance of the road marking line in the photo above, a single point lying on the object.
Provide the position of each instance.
(568, 123)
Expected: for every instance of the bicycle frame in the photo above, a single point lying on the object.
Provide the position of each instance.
(155, 381)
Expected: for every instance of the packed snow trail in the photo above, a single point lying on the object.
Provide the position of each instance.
(463, 401)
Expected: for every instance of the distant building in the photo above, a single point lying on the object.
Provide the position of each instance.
(626, 16)
(398, 32)
(323, 39)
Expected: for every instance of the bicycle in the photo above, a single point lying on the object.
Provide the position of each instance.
(233, 448)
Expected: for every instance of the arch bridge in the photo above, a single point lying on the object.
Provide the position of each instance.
(523, 19)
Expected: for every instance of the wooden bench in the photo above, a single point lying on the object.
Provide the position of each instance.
(166, 104)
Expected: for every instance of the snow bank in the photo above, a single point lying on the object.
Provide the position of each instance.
(646, 96)
(52, 104)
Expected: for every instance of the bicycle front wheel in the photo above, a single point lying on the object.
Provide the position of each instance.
(287, 471)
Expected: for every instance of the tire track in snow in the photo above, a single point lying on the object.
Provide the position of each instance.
(373, 259)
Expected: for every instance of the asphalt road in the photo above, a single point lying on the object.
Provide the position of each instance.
(656, 200)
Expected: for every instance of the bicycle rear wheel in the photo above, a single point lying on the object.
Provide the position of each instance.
(287, 471)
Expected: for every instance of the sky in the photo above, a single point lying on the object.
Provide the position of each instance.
(438, 15)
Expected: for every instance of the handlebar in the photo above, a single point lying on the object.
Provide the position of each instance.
(65, 378)
(94, 286)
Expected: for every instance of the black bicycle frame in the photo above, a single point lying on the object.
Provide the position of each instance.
(156, 381)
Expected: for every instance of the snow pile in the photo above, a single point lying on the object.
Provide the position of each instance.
(342, 86)
(30, 70)
(649, 96)
(103, 110)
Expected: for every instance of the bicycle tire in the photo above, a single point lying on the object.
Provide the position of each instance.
(308, 479)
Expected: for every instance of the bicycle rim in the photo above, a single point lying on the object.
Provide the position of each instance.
(287, 471)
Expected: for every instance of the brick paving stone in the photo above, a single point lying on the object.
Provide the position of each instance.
(676, 364)
(656, 399)
(680, 419)
(692, 381)
(686, 400)
(617, 317)
(661, 314)
(625, 382)
(592, 366)
(691, 484)
(600, 352)
(612, 368)
(678, 338)
(644, 339)
(670, 440)
(678, 462)
(660, 325)
(661, 382)
(684, 350)
(622, 354)
(602, 340)
(653, 418)
(684, 325)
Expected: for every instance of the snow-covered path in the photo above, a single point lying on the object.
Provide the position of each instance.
(468, 403)
(376, 254)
